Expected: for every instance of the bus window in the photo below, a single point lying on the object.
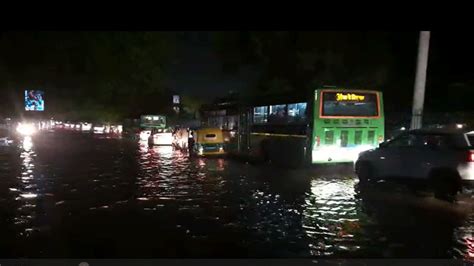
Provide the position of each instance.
(296, 112)
(371, 137)
(358, 137)
(349, 104)
(344, 138)
(277, 113)
(260, 114)
(329, 137)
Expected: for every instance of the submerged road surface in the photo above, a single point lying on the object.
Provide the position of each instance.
(66, 195)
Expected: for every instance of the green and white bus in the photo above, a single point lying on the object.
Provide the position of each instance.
(150, 124)
(153, 121)
(333, 127)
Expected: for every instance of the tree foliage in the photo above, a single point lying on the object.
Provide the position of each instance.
(96, 72)
(300, 60)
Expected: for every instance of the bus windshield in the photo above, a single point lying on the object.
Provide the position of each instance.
(153, 121)
(349, 104)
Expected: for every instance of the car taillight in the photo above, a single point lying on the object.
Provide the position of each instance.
(470, 156)
(317, 140)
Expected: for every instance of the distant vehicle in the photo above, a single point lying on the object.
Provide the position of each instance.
(443, 156)
(160, 137)
(5, 137)
(116, 129)
(59, 125)
(26, 128)
(86, 126)
(99, 129)
(209, 141)
(153, 123)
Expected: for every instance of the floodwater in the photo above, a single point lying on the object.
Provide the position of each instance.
(71, 195)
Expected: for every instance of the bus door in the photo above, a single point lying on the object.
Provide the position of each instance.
(244, 130)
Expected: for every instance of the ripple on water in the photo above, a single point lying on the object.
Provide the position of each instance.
(198, 205)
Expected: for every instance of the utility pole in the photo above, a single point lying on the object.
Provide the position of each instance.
(420, 80)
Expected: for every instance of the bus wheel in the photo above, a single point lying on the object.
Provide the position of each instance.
(364, 171)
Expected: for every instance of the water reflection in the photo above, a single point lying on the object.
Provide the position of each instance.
(345, 219)
(464, 246)
(27, 143)
(164, 176)
(76, 196)
(26, 190)
(416, 225)
(331, 216)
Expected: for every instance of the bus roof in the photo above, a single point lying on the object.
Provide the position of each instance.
(301, 96)
(348, 89)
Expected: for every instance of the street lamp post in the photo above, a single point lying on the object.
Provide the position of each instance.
(420, 80)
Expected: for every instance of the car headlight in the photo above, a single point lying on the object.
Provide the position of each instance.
(26, 129)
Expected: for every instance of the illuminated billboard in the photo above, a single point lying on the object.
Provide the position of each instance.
(34, 100)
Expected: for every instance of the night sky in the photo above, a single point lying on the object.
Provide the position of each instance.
(197, 70)
(199, 66)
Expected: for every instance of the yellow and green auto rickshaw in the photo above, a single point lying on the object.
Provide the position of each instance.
(208, 141)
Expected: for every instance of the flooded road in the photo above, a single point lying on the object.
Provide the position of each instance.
(66, 195)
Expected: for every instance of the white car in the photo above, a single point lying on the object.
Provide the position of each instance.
(161, 137)
(445, 157)
(86, 126)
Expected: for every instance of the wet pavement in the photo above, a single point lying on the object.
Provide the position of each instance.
(66, 195)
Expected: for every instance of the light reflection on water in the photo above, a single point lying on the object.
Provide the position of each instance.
(331, 216)
(343, 219)
(157, 201)
(167, 177)
(26, 190)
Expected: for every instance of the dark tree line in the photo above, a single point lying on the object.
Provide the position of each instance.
(112, 75)
(87, 74)
(299, 61)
